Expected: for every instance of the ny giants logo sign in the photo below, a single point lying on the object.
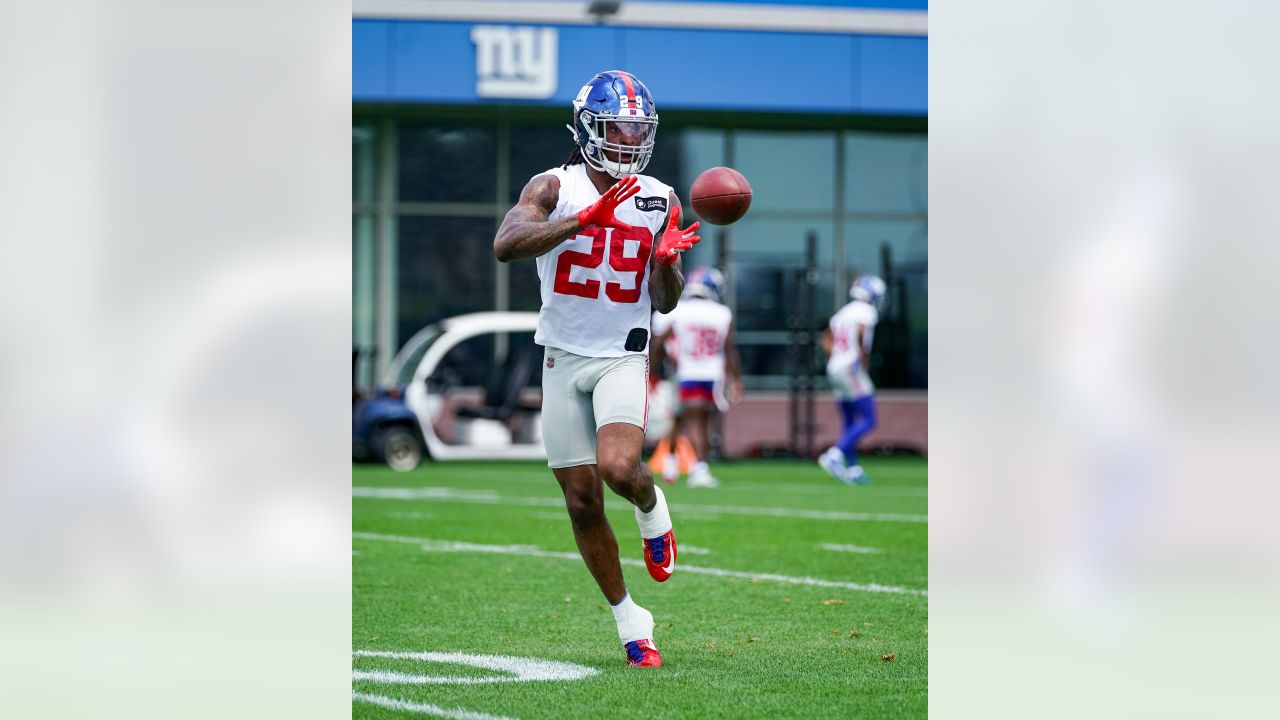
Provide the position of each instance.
(515, 62)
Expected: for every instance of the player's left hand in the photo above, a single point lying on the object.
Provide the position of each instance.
(674, 240)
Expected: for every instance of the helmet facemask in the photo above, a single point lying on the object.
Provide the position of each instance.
(628, 138)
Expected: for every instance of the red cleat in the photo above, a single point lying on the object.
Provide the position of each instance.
(642, 653)
(660, 555)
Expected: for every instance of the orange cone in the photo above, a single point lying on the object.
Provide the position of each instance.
(686, 458)
(660, 454)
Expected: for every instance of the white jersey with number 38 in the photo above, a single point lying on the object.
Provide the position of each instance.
(698, 330)
(595, 285)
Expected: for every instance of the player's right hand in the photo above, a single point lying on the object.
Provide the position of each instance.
(674, 240)
(735, 392)
(600, 213)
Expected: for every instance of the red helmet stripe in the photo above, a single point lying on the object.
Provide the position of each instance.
(631, 91)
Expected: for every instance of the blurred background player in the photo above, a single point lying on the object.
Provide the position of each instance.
(664, 401)
(700, 334)
(608, 244)
(847, 341)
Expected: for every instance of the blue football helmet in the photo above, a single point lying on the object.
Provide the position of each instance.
(705, 282)
(614, 113)
(868, 289)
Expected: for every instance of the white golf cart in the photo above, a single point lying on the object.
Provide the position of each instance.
(461, 389)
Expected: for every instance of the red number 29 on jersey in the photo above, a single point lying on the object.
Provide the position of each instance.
(615, 246)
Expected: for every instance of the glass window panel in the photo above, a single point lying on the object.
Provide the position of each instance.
(765, 257)
(867, 244)
(535, 150)
(447, 164)
(764, 359)
(707, 251)
(362, 329)
(898, 252)
(886, 173)
(364, 146)
(524, 290)
(768, 365)
(700, 149)
(446, 268)
(788, 171)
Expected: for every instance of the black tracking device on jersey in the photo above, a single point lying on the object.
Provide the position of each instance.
(637, 339)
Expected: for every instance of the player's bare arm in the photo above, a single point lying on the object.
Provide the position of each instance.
(666, 281)
(733, 366)
(828, 342)
(525, 232)
(864, 357)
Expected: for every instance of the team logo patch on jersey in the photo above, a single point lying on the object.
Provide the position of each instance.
(647, 204)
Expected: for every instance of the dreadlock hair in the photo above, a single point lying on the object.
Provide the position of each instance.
(575, 158)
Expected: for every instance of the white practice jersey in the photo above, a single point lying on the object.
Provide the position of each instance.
(844, 334)
(659, 324)
(698, 331)
(595, 286)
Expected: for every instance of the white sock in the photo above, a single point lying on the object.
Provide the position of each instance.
(700, 469)
(657, 521)
(634, 622)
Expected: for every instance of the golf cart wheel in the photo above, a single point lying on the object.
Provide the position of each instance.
(399, 448)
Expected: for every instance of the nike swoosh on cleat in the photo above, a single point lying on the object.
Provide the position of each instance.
(671, 563)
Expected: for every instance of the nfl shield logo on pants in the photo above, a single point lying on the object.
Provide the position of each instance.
(551, 362)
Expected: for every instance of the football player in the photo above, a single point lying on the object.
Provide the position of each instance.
(847, 341)
(607, 243)
(700, 330)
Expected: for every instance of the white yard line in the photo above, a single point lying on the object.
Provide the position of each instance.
(415, 515)
(850, 549)
(692, 549)
(512, 669)
(429, 545)
(804, 514)
(518, 669)
(489, 497)
(872, 489)
(563, 516)
(436, 710)
(427, 493)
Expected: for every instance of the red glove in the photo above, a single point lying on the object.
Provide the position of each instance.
(600, 212)
(674, 240)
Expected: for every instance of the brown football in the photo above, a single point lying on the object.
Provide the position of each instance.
(720, 195)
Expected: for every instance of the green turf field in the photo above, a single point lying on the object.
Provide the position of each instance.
(805, 587)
